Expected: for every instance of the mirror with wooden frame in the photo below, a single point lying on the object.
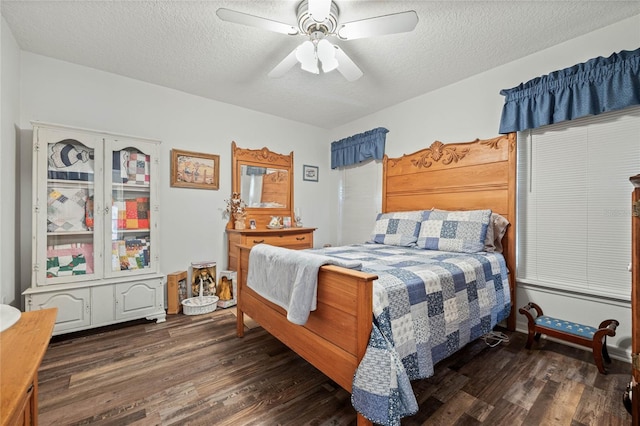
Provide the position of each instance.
(264, 180)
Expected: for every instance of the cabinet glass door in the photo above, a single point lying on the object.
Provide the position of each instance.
(132, 216)
(68, 215)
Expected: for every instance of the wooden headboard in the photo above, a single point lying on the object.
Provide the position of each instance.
(459, 176)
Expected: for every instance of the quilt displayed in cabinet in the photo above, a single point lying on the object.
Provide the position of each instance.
(130, 167)
(131, 253)
(427, 304)
(70, 160)
(67, 208)
(69, 259)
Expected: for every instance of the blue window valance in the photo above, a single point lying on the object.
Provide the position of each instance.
(593, 87)
(358, 148)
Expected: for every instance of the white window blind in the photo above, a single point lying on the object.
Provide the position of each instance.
(360, 201)
(574, 203)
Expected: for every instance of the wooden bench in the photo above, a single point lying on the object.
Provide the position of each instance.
(594, 338)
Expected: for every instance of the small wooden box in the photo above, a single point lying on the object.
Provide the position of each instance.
(176, 291)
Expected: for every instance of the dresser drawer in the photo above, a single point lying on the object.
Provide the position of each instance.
(292, 238)
(304, 240)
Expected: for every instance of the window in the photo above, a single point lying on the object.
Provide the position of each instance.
(574, 203)
(360, 201)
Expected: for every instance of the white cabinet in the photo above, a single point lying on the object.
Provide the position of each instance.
(95, 227)
(74, 307)
(138, 299)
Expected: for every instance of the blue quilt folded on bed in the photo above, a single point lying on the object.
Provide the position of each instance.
(426, 306)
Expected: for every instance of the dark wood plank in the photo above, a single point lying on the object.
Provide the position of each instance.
(194, 370)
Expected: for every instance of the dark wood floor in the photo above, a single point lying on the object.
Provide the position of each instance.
(192, 370)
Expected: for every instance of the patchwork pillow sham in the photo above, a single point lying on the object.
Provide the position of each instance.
(456, 231)
(398, 228)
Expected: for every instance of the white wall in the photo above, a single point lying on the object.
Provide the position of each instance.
(193, 228)
(471, 109)
(9, 219)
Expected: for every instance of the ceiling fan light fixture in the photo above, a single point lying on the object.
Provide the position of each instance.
(306, 55)
(327, 55)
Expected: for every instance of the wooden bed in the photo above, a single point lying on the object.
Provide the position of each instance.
(458, 176)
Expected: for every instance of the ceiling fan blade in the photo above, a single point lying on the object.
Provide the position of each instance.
(319, 9)
(346, 66)
(381, 25)
(285, 65)
(255, 21)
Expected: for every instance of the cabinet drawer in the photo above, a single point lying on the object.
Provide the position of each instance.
(304, 240)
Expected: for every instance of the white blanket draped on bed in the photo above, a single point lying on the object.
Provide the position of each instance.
(289, 278)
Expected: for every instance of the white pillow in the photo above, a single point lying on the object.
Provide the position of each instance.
(495, 232)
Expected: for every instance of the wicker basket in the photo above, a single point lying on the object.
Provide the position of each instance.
(199, 305)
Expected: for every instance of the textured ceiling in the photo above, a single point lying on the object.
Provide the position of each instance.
(183, 45)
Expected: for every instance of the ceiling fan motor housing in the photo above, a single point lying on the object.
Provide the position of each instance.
(309, 26)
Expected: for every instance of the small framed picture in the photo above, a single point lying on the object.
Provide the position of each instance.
(310, 173)
(286, 222)
(252, 224)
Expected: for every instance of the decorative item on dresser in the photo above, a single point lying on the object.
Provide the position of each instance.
(270, 200)
(236, 209)
(463, 179)
(22, 347)
(95, 224)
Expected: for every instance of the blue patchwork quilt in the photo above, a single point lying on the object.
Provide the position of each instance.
(426, 305)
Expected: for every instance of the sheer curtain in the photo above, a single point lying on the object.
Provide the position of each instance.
(360, 201)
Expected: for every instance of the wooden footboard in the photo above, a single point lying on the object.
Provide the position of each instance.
(336, 334)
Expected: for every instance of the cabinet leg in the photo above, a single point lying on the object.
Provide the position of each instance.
(158, 317)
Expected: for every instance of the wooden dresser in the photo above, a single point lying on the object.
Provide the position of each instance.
(294, 238)
(22, 348)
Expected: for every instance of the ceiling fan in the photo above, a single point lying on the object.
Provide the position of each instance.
(317, 21)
